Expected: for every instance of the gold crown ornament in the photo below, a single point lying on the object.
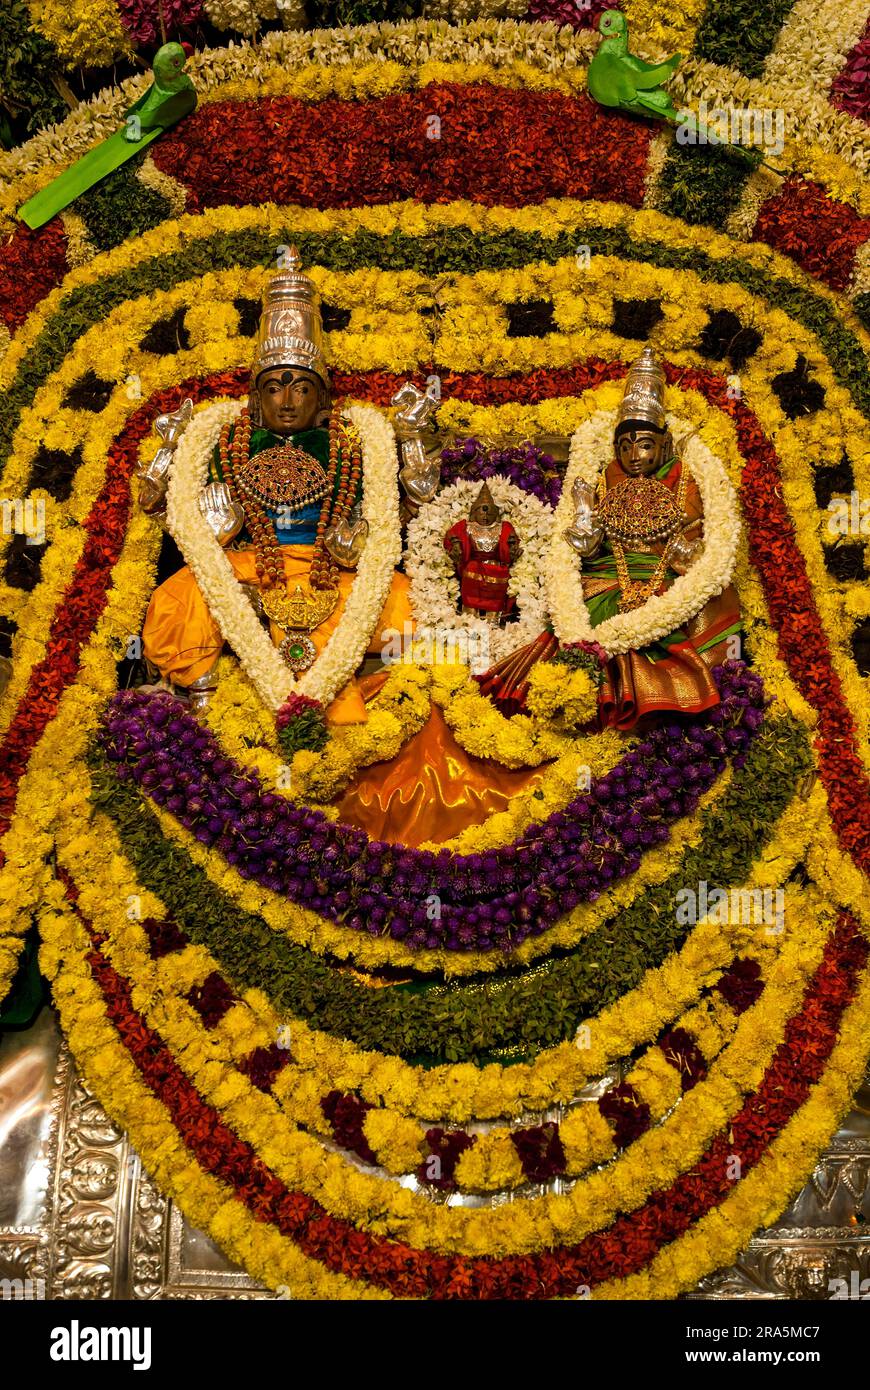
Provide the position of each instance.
(644, 395)
(290, 332)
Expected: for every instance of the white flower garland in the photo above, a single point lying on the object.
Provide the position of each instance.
(225, 596)
(434, 588)
(591, 451)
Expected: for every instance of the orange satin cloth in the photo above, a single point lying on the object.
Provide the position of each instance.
(431, 790)
(182, 639)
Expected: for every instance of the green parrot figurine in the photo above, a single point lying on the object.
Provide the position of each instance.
(617, 78)
(170, 97)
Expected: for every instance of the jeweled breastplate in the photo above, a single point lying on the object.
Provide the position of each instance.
(640, 511)
(485, 538)
(635, 514)
(284, 476)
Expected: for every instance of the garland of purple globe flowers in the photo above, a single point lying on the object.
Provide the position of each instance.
(460, 902)
(524, 465)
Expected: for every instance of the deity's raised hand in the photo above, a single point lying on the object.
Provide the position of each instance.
(587, 531)
(223, 516)
(346, 539)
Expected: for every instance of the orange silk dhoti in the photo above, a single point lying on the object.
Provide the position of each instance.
(430, 791)
(183, 641)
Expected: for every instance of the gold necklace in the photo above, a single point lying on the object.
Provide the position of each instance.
(288, 475)
(634, 593)
(640, 509)
(283, 476)
(625, 521)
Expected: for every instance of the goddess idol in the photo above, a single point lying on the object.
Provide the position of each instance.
(637, 529)
(293, 530)
(287, 513)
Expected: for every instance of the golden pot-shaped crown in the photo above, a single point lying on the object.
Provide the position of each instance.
(644, 395)
(291, 330)
(484, 495)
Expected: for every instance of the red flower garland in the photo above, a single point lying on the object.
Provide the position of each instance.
(84, 599)
(437, 144)
(850, 90)
(31, 264)
(807, 224)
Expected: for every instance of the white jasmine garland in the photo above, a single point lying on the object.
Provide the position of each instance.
(434, 588)
(381, 554)
(224, 595)
(813, 44)
(591, 451)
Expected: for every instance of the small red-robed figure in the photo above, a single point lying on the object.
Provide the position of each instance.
(482, 549)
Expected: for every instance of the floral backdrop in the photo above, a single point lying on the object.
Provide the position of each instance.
(280, 1032)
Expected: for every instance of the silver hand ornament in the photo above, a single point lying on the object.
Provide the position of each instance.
(586, 533)
(223, 516)
(153, 476)
(345, 540)
(683, 553)
(421, 471)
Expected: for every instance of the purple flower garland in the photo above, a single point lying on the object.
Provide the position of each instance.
(524, 465)
(493, 900)
(579, 14)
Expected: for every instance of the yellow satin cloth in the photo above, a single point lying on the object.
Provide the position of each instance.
(182, 639)
(431, 790)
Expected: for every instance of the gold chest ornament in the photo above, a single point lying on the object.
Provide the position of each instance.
(299, 612)
(284, 476)
(639, 512)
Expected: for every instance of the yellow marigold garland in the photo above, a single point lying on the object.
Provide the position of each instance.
(654, 1160)
(635, 1019)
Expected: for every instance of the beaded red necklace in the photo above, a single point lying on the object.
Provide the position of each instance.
(345, 466)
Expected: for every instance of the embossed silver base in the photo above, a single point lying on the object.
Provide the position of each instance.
(79, 1217)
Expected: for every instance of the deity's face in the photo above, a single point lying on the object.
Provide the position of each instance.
(290, 399)
(484, 513)
(640, 451)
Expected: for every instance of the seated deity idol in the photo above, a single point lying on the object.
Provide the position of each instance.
(284, 490)
(482, 550)
(639, 530)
